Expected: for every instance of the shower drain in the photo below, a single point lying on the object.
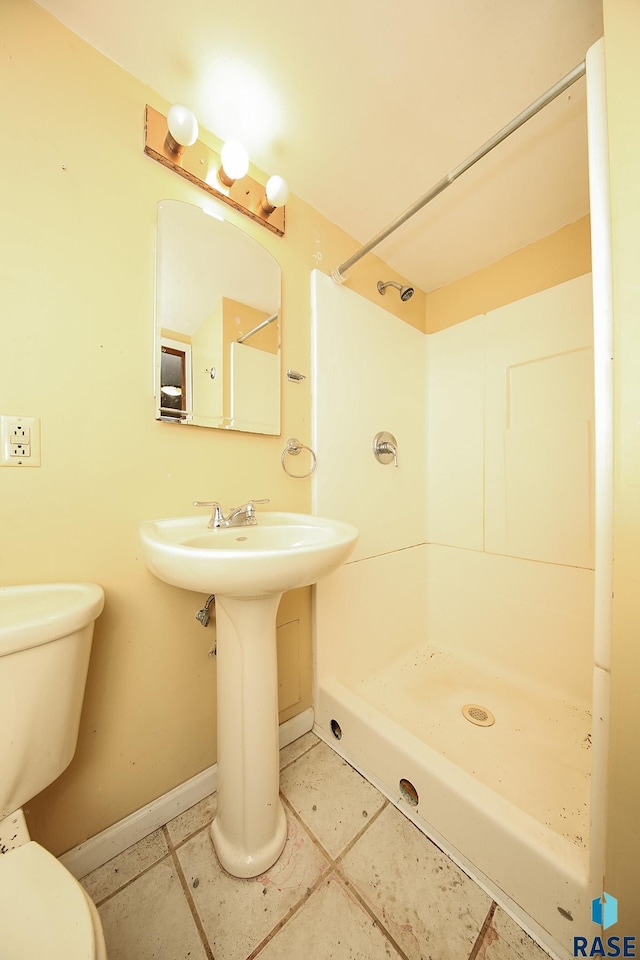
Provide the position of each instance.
(474, 713)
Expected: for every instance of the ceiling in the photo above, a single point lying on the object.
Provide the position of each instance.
(363, 105)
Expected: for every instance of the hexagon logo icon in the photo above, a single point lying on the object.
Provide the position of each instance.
(604, 910)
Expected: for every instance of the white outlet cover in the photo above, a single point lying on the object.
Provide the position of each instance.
(8, 427)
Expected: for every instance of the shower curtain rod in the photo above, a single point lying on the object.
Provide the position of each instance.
(340, 273)
(265, 323)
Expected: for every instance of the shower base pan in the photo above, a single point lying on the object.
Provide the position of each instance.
(501, 800)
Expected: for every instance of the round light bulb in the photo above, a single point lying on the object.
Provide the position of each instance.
(235, 160)
(182, 124)
(277, 191)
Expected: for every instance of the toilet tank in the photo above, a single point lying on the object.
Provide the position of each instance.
(46, 632)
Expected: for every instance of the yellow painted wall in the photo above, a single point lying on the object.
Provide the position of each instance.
(622, 870)
(207, 352)
(78, 200)
(561, 256)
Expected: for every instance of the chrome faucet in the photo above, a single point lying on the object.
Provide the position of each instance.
(243, 515)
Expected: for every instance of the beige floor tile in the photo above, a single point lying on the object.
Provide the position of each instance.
(297, 748)
(238, 914)
(108, 878)
(195, 818)
(332, 798)
(330, 926)
(428, 905)
(505, 940)
(150, 920)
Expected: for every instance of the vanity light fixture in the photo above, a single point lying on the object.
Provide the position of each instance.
(182, 129)
(276, 194)
(173, 142)
(234, 163)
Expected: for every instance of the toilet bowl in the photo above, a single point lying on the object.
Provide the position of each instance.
(46, 633)
(46, 914)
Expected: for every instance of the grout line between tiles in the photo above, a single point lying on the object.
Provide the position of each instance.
(127, 883)
(191, 904)
(475, 949)
(337, 871)
(353, 889)
(167, 837)
(314, 840)
(303, 754)
(370, 820)
(333, 860)
(355, 893)
(295, 909)
(180, 843)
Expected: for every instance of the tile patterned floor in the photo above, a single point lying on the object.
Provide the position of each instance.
(356, 880)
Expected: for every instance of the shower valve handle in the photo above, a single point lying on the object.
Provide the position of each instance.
(385, 447)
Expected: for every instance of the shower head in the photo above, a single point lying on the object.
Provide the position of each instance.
(405, 292)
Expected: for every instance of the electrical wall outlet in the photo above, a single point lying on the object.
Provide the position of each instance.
(19, 441)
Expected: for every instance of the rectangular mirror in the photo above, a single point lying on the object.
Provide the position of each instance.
(217, 324)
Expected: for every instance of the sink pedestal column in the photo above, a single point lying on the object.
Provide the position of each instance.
(250, 827)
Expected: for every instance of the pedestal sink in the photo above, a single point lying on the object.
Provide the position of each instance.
(248, 568)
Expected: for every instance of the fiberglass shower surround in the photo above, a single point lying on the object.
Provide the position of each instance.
(482, 574)
(479, 567)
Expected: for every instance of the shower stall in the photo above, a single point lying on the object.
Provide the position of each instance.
(461, 656)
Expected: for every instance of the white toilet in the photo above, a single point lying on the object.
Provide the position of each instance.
(45, 641)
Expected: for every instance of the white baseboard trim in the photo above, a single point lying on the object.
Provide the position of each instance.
(96, 851)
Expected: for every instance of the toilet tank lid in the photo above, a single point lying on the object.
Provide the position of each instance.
(44, 908)
(32, 614)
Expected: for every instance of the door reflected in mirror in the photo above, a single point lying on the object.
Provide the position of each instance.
(217, 326)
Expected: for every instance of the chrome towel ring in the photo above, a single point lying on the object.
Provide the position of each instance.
(293, 448)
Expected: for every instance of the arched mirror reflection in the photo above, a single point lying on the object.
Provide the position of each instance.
(217, 326)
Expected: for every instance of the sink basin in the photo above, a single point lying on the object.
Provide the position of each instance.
(282, 551)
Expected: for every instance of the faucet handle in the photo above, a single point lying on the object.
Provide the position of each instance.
(385, 447)
(250, 511)
(216, 516)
